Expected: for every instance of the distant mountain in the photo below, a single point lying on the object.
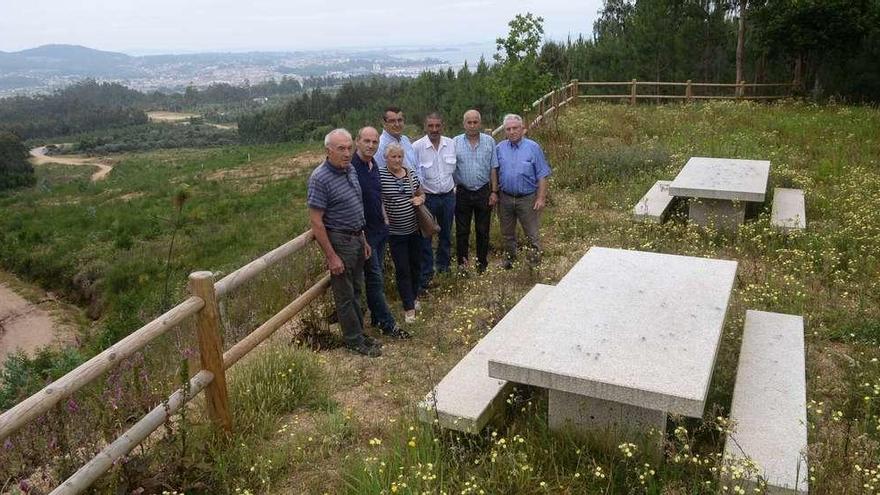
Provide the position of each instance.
(69, 59)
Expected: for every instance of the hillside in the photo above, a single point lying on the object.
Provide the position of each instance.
(329, 421)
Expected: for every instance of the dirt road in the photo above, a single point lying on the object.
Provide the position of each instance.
(39, 156)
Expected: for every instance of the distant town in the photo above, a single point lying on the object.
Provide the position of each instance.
(50, 67)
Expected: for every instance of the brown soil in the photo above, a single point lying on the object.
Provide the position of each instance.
(260, 173)
(23, 325)
(170, 116)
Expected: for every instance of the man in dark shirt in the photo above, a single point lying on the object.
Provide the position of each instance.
(336, 214)
(376, 231)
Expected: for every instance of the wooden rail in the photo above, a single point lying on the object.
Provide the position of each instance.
(212, 377)
(568, 94)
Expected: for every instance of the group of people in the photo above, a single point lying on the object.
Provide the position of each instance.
(363, 198)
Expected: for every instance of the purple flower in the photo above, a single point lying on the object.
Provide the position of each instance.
(72, 406)
(24, 486)
(7, 444)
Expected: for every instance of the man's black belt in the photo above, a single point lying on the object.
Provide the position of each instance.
(440, 194)
(518, 195)
(346, 232)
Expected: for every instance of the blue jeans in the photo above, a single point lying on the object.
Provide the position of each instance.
(374, 278)
(442, 206)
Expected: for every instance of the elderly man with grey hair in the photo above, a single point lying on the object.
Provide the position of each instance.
(336, 215)
(522, 179)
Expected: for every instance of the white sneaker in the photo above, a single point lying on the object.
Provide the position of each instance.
(409, 316)
(418, 305)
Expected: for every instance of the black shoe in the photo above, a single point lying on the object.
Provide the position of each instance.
(397, 333)
(365, 349)
(371, 341)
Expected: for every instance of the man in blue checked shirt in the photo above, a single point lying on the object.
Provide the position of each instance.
(476, 180)
(522, 175)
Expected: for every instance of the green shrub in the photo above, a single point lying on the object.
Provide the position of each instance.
(15, 171)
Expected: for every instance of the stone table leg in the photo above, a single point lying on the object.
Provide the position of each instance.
(723, 214)
(567, 410)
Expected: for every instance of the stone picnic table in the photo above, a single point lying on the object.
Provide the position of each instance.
(624, 338)
(720, 187)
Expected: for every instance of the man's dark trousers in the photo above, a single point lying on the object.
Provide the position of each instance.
(348, 285)
(374, 276)
(472, 204)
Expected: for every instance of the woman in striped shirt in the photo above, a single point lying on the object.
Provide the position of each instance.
(405, 240)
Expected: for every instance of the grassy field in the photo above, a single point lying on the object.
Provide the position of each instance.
(355, 430)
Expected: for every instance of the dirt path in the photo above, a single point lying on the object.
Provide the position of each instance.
(23, 325)
(39, 156)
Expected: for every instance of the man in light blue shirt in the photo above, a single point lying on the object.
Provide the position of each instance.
(522, 177)
(392, 132)
(476, 180)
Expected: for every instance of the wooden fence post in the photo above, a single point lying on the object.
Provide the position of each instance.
(632, 93)
(740, 89)
(540, 110)
(574, 91)
(689, 91)
(201, 284)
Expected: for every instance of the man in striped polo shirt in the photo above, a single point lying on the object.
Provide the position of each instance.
(336, 215)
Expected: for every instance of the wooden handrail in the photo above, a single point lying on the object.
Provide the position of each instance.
(213, 371)
(265, 330)
(42, 401)
(562, 93)
(98, 465)
(672, 83)
(247, 272)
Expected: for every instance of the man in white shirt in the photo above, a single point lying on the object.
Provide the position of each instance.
(435, 164)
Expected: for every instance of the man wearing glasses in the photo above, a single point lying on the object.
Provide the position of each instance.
(392, 132)
(336, 215)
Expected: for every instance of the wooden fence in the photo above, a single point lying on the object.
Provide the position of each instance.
(575, 90)
(203, 305)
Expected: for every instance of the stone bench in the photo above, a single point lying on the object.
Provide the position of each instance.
(788, 211)
(653, 205)
(769, 403)
(467, 398)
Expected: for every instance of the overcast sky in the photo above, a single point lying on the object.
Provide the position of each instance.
(178, 26)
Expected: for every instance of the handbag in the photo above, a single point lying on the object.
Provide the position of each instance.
(428, 225)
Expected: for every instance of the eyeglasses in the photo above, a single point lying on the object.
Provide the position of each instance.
(403, 185)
